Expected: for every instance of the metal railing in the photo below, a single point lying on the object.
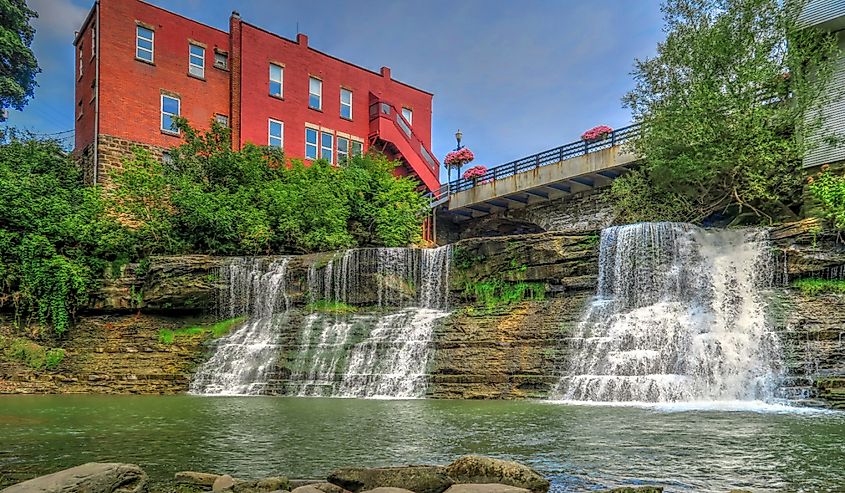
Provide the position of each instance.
(387, 110)
(545, 158)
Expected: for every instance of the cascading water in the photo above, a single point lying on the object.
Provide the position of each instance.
(243, 359)
(382, 355)
(679, 316)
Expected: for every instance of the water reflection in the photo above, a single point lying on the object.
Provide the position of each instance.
(579, 447)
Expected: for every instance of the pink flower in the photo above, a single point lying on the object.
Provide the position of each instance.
(474, 172)
(596, 133)
(458, 158)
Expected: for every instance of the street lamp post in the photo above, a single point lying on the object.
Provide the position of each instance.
(458, 137)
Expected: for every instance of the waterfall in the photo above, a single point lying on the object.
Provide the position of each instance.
(679, 315)
(374, 355)
(242, 360)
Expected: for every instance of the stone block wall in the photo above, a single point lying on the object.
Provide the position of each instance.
(111, 153)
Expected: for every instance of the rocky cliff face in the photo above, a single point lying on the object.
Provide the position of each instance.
(512, 348)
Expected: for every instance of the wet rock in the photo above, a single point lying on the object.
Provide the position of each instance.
(202, 479)
(309, 488)
(384, 489)
(478, 469)
(486, 488)
(635, 489)
(223, 483)
(319, 486)
(271, 484)
(419, 479)
(93, 477)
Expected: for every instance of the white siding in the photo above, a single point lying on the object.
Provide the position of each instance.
(820, 11)
(834, 115)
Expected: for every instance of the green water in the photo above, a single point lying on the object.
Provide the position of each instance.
(578, 447)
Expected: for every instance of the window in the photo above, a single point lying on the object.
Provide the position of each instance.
(169, 112)
(346, 103)
(277, 75)
(315, 93)
(221, 59)
(222, 120)
(80, 60)
(326, 146)
(144, 44)
(196, 60)
(342, 150)
(357, 148)
(310, 143)
(93, 41)
(408, 114)
(275, 133)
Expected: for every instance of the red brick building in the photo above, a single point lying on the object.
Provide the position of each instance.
(138, 65)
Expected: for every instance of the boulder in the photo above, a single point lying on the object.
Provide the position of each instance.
(223, 483)
(476, 469)
(309, 488)
(203, 480)
(388, 489)
(94, 477)
(419, 479)
(486, 488)
(272, 484)
(319, 487)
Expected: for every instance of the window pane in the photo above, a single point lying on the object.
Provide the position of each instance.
(314, 101)
(357, 148)
(147, 45)
(310, 143)
(170, 105)
(275, 128)
(315, 86)
(275, 88)
(408, 114)
(145, 33)
(342, 145)
(326, 146)
(197, 51)
(221, 59)
(144, 55)
(346, 96)
(222, 119)
(275, 72)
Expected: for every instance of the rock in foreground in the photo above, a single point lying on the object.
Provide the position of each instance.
(477, 469)
(419, 479)
(93, 477)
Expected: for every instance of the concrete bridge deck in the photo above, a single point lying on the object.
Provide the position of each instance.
(570, 169)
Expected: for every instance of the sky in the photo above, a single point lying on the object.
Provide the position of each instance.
(516, 77)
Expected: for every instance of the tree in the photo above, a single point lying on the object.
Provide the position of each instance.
(726, 106)
(18, 65)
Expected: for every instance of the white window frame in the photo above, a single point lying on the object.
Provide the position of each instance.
(327, 150)
(352, 147)
(224, 59)
(93, 40)
(222, 119)
(271, 137)
(81, 59)
(409, 117)
(318, 94)
(192, 65)
(345, 154)
(280, 81)
(343, 104)
(152, 41)
(172, 115)
(315, 145)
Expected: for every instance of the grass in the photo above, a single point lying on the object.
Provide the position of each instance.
(496, 294)
(215, 330)
(327, 306)
(32, 354)
(814, 286)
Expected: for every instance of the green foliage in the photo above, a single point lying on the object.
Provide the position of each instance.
(829, 190)
(815, 286)
(328, 306)
(55, 239)
(32, 354)
(463, 259)
(496, 294)
(215, 330)
(17, 79)
(211, 199)
(726, 110)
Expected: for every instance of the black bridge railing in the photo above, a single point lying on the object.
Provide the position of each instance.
(534, 161)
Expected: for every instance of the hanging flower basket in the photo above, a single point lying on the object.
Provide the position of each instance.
(596, 133)
(456, 159)
(475, 173)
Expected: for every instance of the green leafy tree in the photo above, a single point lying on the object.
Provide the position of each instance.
(17, 78)
(55, 238)
(727, 106)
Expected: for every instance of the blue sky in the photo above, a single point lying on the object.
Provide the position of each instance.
(517, 77)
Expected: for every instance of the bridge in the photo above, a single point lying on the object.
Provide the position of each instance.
(569, 169)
